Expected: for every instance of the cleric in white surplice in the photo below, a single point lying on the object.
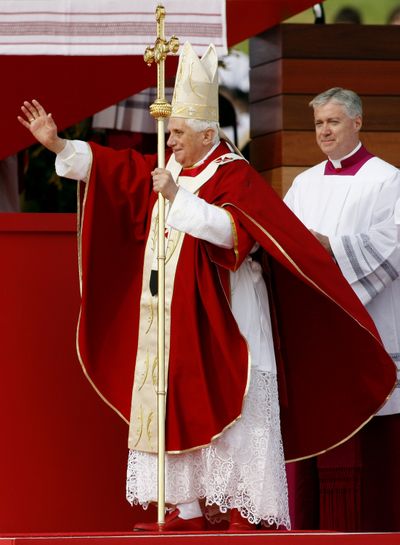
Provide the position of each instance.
(351, 203)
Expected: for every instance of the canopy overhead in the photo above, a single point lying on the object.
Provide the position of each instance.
(74, 87)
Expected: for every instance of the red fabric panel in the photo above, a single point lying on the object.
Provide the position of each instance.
(380, 483)
(72, 88)
(247, 18)
(303, 491)
(110, 340)
(63, 451)
(359, 481)
(339, 474)
(143, 142)
(208, 377)
(353, 487)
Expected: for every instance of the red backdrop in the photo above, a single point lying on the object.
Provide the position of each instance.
(63, 454)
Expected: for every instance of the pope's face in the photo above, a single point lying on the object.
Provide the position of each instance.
(187, 145)
(336, 132)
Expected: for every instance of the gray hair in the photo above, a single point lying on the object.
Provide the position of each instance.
(350, 101)
(199, 125)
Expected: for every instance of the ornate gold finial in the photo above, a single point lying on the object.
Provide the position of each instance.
(160, 108)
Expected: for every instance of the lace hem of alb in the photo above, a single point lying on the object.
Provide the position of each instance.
(243, 469)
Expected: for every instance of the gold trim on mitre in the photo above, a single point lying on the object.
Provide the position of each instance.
(196, 86)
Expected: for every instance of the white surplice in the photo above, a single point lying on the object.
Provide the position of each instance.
(359, 210)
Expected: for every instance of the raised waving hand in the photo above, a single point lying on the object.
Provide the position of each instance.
(41, 125)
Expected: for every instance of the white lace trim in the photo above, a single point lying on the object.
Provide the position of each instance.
(242, 469)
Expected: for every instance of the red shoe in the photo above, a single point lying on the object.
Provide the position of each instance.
(239, 523)
(173, 523)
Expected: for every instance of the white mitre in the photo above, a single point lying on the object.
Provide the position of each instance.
(196, 85)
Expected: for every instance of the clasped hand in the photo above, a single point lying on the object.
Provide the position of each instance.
(164, 183)
(324, 240)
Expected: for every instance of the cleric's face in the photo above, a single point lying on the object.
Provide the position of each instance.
(336, 132)
(187, 145)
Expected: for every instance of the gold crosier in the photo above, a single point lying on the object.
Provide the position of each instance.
(160, 110)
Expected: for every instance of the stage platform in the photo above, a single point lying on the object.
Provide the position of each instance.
(207, 538)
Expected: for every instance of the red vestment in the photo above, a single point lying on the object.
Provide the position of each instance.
(333, 371)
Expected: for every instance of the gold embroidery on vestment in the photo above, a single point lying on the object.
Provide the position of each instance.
(148, 428)
(150, 317)
(139, 426)
(145, 371)
(154, 373)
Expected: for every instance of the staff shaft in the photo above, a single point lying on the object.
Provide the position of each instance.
(161, 334)
(160, 110)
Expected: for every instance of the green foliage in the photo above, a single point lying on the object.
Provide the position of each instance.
(373, 12)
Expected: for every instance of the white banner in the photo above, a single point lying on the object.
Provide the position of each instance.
(106, 27)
